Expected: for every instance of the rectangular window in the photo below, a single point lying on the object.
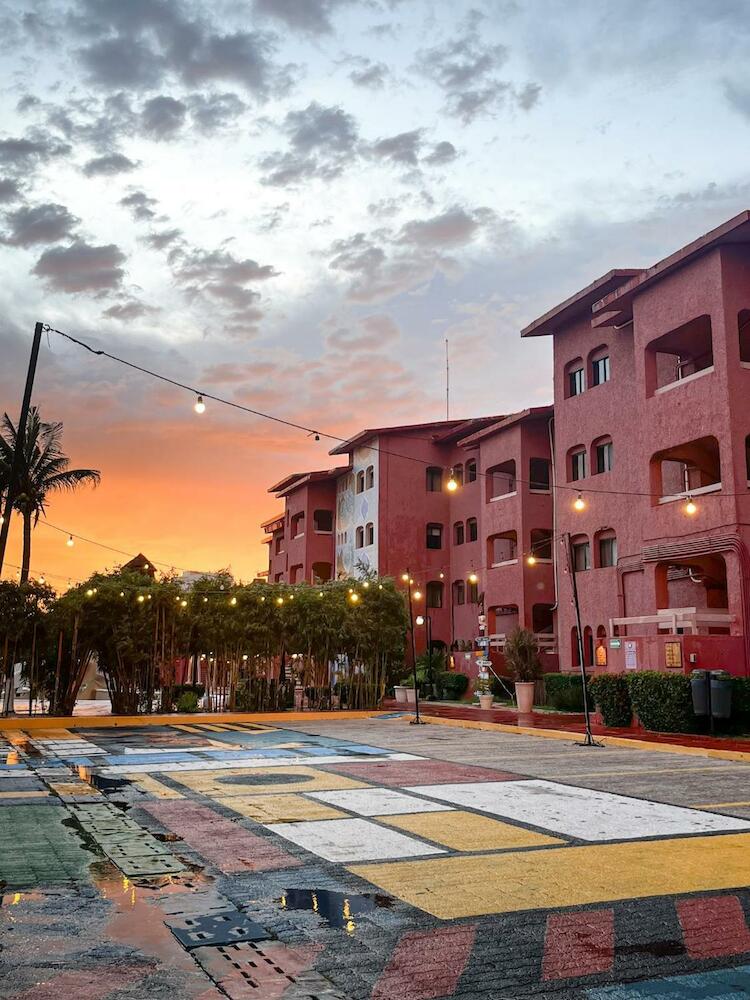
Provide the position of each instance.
(600, 371)
(581, 557)
(607, 552)
(434, 594)
(434, 536)
(434, 479)
(471, 528)
(458, 533)
(471, 471)
(575, 382)
(578, 465)
(604, 456)
(539, 475)
(472, 593)
(459, 592)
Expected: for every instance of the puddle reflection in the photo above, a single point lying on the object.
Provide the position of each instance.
(338, 909)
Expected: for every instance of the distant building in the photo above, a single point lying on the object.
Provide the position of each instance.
(140, 564)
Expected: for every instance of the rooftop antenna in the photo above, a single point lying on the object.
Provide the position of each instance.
(447, 383)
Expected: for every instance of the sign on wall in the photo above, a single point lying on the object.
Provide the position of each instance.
(672, 654)
(631, 654)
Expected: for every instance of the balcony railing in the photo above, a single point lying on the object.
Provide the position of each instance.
(547, 643)
(688, 620)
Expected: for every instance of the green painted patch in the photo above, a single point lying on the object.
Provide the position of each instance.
(37, 849)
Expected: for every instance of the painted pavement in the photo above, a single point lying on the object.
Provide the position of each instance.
(367, 860)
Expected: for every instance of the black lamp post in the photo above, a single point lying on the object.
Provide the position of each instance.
(416, 721)
(427, 620)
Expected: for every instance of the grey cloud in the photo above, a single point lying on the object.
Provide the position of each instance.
(218, 274)
(140, 205)
(47, 223)
(164, 239)
(738, 95)
(403, 148)
(369, 74)
(82, 267)
(27, 102)
(312, 17)
(122, 62)
(443, 152)
(322, 139)
(213, 112)
(109, 165)
(356, 254)
(163, 117)
(9, 190)
(371, 333)
(25, 152)
(453, 227)
(129, 309)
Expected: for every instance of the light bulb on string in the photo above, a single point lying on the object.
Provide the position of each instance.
(452, 484)
(200, 406)
(531, 560)
(405, 577)
(70, 543)
(691, 507)
(473, 578)
(354, 597)
(579, 503)
(417, 595)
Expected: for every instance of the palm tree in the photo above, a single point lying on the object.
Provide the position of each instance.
(44, 470)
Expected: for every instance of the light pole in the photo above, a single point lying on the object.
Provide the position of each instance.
(589, 740)
(427, 620)
(416, 721)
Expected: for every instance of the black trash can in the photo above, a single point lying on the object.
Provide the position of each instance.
(721, 694)
(699, 686)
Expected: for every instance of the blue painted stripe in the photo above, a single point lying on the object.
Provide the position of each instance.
(721, 984)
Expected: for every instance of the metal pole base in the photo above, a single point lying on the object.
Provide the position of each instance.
(589, 742)
(417, 722)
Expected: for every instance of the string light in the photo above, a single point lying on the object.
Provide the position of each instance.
(473, 578)
(279, 601)
(354, 598)
(183, 603)
(531, 560)
(89, 593)
(579, 503)
(233, 601)
(405, 577)
(70, 543)
(366, 585)
(141, 598)
(452, 484)
(417, 595)
(691, 507)
(200, 406)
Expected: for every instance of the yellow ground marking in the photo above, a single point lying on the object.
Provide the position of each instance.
(73, 788)
(56, 734)
(310, 780)
(153, 786)
(23, 795)
(17, 739)
(465, 831)
(280, 808)
(557, 734)
(719, 805)
(188, 729)
(449, 888)
(280, 719)
(205, 727)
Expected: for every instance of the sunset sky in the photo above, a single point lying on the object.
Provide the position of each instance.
(292, 203)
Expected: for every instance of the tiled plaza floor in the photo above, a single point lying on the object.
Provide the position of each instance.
(357, 859)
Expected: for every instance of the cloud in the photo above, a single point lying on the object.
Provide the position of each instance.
(371, 333)
(9, 190)
(129, 309)
(122, 62)
(140, 205)
(465, 68)
(443, 152)
(453, 227)
(109, 165)
(82, 267)
(47, 223)
(163, 117)
(22, 153)
(310, 17)
(212, 112)
(322, 142)
(403, 148)
(219, 278)
(369, 74)
(162, 240)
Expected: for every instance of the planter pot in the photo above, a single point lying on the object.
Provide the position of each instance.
(485, 701)
(400, 693)
(411, 698)
(525, 696)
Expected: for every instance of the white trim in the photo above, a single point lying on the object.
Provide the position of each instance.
(543, 562)
(541, 492)
(744, 364)
(300, 534)
(504, 496)
(697, 492)
(505, 562)
(318, 531)
(682, 381)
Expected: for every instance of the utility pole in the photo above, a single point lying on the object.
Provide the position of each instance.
(10, 498)
(589, 740)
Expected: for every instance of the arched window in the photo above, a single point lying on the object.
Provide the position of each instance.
(434, 536)
(599, 371)
(434, 596)
(575, 378)
(458, 473)
(581, 552)
(369, 477)
(602, 455)
(471, 529)
(575, 652)
(471, 471)
(605, 544)
(459, 592)
(360, 537)
(576, 463)
(458, 533)
(361, 481)
(588, 646)
(370, 534)
(434, 479)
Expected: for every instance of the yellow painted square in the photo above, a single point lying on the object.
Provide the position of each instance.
(465, 831)
(480, 884)
(23, 795)
(73, 788)
(280, 808)
(153, 786)
(308, 780)
(55, 734)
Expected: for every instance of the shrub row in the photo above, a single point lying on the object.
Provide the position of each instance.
(452, 684)
(565, 693)
(612, 698)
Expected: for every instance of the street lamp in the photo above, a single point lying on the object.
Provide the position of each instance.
(427, 620)
(416, 721)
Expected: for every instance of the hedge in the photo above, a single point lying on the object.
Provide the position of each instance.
(564, 692)
(741, 699)
(662, 702)
(452, 684)
(610, 693)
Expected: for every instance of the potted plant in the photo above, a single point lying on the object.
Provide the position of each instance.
(400, 691)
(484, 692)
(522, 659)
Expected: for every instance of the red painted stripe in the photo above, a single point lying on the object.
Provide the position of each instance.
(84, 984)
(426, 965)
(714, 926)
(578, 944)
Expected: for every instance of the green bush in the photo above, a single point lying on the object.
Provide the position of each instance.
(564, 692)
(179, 689)
(502, 688)
(452, 685)
(741, 699)
(187, 702)
(662, 702)
(610, 693)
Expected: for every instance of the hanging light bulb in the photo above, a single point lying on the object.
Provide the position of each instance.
(366, 585)
(417, 595)
(41, 578)
(691, 507)
(405, 577)
(183, 603)
(233, 601)
(473, 578)
(279, 600)
(452, 484)
(70, 543)
(442, 575)
(531, 560)
(380, 586)
(354, 597)
(579, 503)
(141, 598)
(320, 594)
(122, 593)
(200, 406)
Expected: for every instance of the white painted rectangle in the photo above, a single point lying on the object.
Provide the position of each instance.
(348, 840)
(583, 813)
(377, 802)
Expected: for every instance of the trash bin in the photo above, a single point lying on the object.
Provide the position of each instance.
(699, 686)
(721, 694)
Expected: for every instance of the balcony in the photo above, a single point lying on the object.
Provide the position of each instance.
(547, 643)
(677, 621)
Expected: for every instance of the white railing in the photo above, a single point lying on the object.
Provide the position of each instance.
(547, 643)
(671, 619)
